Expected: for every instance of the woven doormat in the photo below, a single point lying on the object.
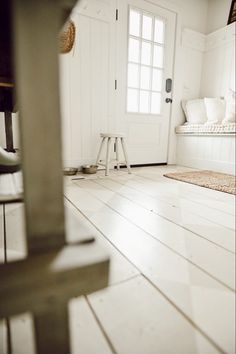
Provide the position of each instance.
(214, 180)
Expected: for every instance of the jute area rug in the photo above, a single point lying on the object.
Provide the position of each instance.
(214, 180)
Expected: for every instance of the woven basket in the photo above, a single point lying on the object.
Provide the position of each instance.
(67, 37)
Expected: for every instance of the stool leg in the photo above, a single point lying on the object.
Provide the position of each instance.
(125, 154)
(117, 154)
(100, 150)
(108, 156)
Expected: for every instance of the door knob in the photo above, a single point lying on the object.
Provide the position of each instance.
(168, 100)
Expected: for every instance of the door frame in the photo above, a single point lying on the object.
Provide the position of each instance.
(172, 10)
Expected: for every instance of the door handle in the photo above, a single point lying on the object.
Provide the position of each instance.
(168, 100)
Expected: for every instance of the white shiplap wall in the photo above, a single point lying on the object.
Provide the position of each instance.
(215, 153)
(86, 83)
(218, 76)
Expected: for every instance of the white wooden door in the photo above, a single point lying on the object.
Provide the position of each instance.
(145, 55)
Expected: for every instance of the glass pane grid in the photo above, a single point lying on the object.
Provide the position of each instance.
(144, 101)
(146, 40)
(145, 63)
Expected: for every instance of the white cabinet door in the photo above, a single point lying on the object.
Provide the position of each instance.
(145, 55)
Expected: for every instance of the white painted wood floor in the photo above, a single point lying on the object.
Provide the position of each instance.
(172, 275)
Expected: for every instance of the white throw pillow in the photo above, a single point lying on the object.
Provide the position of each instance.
(230, 110)
(215, 108)
(195, 111)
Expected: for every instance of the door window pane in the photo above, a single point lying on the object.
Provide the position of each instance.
(158, 56)
(145, 78)
(146, 53)
(159, 31)
(156, 103)
(132, 100)
(145, 69)
(157, 80)
(134, 49)
(144, 102)
(133, 75)
(147, 27)
(134, 23)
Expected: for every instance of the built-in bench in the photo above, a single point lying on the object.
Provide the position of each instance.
(206, 129)
(207, 146)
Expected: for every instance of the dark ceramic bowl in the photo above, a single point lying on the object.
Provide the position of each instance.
(90, 169)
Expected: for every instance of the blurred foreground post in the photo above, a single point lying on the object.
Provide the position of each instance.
(54, 272)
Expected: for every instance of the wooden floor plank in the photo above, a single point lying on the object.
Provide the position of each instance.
(150, 326)
(120, 268)
(189, 191)
(219, 235)
(157, 172)
(217, 200)
(194, 292)
(178, 239)
(164, 192)
(83, 327)
(86, 335)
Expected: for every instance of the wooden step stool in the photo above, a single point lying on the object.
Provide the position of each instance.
(107, 138)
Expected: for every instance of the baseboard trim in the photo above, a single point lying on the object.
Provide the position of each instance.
(145, 165)
(215, 165)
